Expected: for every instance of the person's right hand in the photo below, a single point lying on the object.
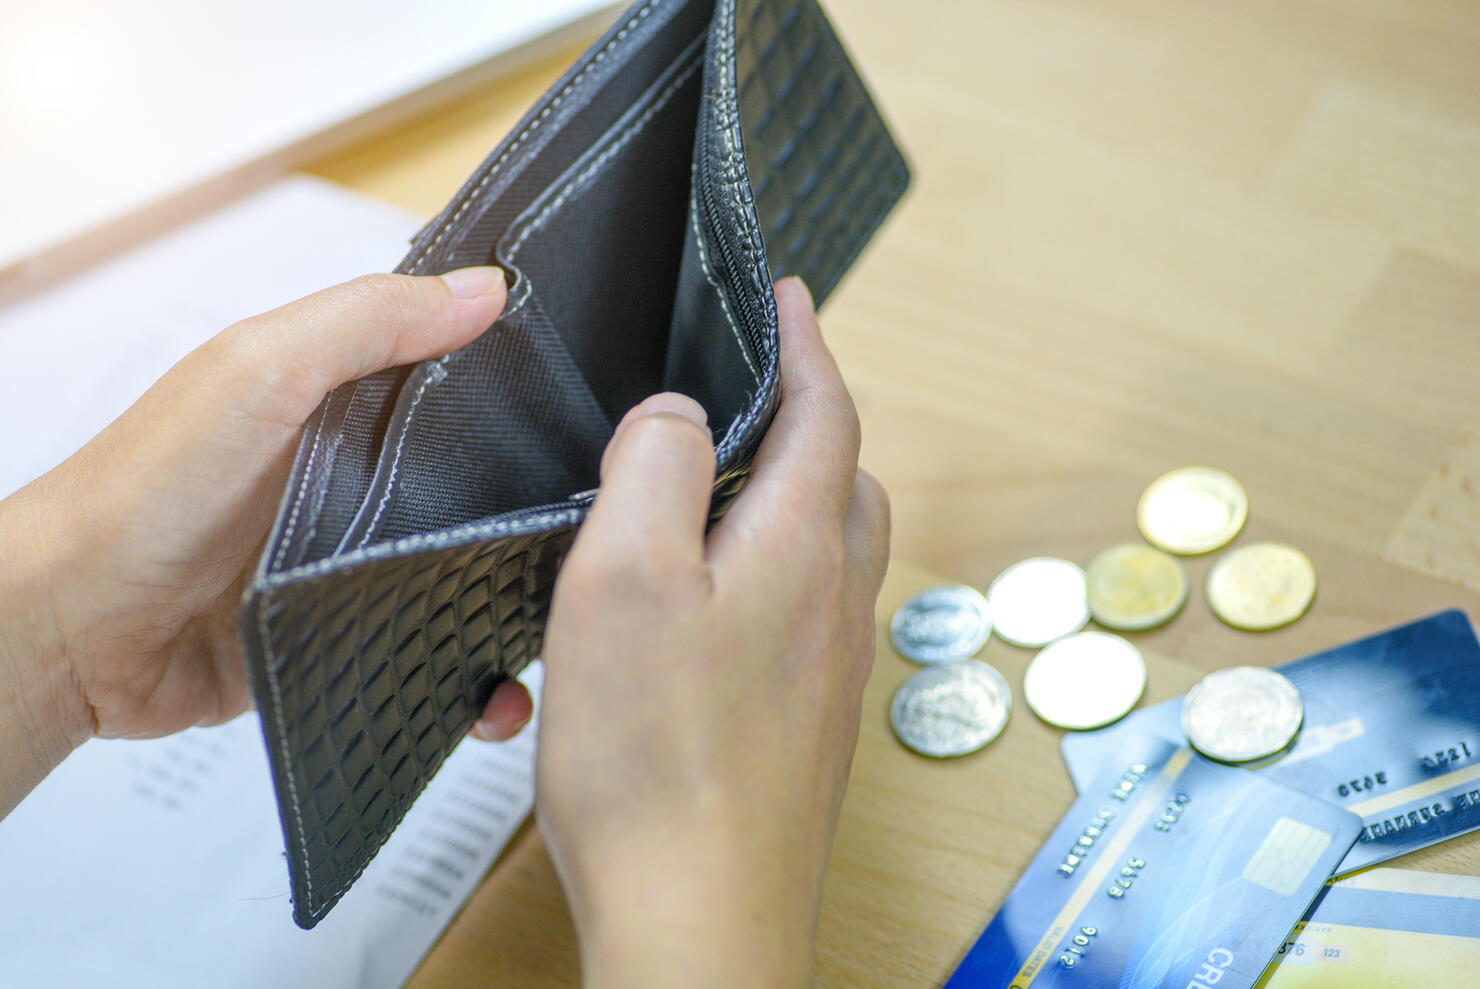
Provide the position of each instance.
(702, 694)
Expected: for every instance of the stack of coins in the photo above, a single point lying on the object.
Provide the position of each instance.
(1085, 680)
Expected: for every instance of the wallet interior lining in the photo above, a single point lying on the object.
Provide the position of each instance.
(519, 419)
(601, 249)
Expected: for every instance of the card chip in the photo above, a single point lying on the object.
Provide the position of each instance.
(1286, 856)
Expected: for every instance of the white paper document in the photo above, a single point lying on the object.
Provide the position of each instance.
(79, 354)
(160, 864)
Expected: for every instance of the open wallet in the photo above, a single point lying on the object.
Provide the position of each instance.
(640, 209)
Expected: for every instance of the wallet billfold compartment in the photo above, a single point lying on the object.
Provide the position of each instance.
(641, 209)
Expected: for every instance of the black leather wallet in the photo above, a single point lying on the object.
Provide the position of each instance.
(641, 209)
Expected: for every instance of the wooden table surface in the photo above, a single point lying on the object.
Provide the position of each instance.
(1143, 234)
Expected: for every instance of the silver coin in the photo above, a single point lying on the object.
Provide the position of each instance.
(1038, 600)
(1085, 681)
(1242, 713)
(951, 709)
(942, 624)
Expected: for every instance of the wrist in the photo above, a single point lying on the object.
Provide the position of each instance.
(43, 712)
(691, 909)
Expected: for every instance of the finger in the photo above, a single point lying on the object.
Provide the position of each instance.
(866, 556)
(668, 401)
(812, 445)
(656, 477)
(506, 713)
(306, 348)
(866, 536)
(801, 481)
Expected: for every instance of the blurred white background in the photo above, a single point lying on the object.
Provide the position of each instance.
(107, 108)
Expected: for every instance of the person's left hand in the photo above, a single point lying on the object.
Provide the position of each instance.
(123, 568)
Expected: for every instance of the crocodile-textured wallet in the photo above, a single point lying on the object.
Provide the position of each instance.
(640, 209)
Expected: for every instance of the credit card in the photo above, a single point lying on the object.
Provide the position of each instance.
(1169, 871)
(1386, 927)
(1391, 733)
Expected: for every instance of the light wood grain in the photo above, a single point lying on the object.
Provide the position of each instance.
(1143, 233)
(927, 850)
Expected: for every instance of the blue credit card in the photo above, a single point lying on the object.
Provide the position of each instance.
(1391, 733)
(1385, 927)
(1169, 871)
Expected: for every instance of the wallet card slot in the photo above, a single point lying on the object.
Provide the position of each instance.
(503, 424)
(602, 247)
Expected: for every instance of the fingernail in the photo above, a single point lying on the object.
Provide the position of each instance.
(485, 729)
(470, 283)
(806, 290)
(675, 404)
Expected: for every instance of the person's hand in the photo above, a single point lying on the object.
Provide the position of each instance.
(702, 693)
(121, 571)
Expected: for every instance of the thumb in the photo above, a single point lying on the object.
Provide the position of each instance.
(656, 478)
(305, 349)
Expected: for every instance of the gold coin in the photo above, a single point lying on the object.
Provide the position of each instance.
(1261, 586)
(1192, 510)
(1135, 586)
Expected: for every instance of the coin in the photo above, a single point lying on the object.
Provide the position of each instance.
(1261, 586)
(941, 624)
(1241, 714)
(1135, 586)
(1085, 681)
(1192, 510)
(1038, 600)
(951, 709)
